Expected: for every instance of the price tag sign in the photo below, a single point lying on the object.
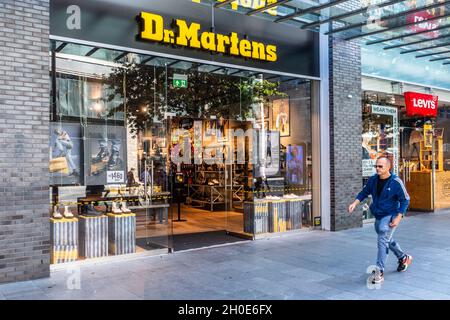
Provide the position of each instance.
(115, 177)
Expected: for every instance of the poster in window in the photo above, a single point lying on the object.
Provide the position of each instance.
(266, 148)
(105, 154)
(65, 154)
(295, 164)
(281, 117)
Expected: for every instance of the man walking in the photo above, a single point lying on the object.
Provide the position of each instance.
(390, 201)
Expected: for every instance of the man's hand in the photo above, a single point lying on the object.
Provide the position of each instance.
(395, 222)
(352, 207)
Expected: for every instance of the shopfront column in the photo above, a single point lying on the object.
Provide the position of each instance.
(24, 149)
(345, 132)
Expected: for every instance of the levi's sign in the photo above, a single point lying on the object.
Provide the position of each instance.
(419, 104)
(190, 35)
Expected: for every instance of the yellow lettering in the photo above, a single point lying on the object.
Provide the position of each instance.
(245, 48)
(188, 36)
(253, 4)
(222, 41)
(208, 40)
(169, 36)
(259, 50)
(234, 40)
(153, 26)
(271, 53)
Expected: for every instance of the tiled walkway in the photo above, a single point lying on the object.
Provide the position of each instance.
(314, 265)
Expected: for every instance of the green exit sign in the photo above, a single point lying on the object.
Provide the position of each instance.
(180, 81)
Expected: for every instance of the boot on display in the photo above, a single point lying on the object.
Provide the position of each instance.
(56, 214)
(124, 208)
(67, 213)
(115, 209)
(91, 211)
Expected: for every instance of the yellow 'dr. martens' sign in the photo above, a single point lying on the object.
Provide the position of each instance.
(190, 35)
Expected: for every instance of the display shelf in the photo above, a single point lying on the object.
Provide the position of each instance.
(214, 196)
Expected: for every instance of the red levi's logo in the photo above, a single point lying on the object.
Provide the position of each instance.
(419, 104)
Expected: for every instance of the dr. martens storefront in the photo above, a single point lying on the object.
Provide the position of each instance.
(176, 125)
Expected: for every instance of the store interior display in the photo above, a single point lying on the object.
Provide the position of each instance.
(132, 151)
(421, 148)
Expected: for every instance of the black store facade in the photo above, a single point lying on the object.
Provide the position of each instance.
(171, 125)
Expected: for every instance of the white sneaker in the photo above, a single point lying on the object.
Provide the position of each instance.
(114, 208)
(124, 208)
(56, 214)
(67, 213)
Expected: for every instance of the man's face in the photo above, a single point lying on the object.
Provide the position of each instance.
(382, 167)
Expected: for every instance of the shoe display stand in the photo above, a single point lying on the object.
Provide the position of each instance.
(93, 236)
(64, 240)
(208, 188)
(256, 217)
(275, 215)
(214, 195)
(121, 233)
(84, 202)
(241, 176)
(294, 212)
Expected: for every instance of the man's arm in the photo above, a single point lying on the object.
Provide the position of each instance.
(403, 198)
(361, 196)
(365, 191)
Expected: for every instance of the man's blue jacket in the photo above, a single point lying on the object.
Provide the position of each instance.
(394, 198)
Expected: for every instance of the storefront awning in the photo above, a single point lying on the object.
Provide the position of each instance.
(417, 28)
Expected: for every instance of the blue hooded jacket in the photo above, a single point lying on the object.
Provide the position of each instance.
(394, 198)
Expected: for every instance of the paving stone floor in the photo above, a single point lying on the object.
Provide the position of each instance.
(312, 265)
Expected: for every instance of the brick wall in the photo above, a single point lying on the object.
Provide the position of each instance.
(24, 132)
(345, 132)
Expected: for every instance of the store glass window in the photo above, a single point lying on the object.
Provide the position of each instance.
(150, 153)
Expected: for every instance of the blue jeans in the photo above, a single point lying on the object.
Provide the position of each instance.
(386, 241)
(65, 147)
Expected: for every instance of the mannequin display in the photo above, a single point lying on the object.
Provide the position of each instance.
(261, 184)
(269, 150)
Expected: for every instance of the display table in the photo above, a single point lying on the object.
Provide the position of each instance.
(93, 236)
(122, 233)
(64, 240)
(275, 215)
(97, 200)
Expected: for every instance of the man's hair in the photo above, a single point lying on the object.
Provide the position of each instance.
(387, 159)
